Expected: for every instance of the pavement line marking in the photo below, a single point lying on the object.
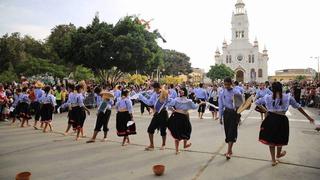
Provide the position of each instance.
(281, 162)
(208, 162)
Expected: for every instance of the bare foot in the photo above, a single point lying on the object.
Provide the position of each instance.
(162, 147)
(65, 134)
(228, 156)
(104, 140)
(283, 153)
(149, 148)
(77, 139)
(91, 141)
(177, 152)
(274, 163)
(187, 145)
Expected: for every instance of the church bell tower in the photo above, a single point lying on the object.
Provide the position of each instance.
(240, 23)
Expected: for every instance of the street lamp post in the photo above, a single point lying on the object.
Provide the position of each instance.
(317, 58)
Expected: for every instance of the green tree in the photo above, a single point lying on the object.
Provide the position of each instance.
(11, 51)
(300, 78)
(176, 63)
(8, 76)
(135, 48)
(37, 66)
(82, 73)
(59, 41)
(220, 72)
(92, 46)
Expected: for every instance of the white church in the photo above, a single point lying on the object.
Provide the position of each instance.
(240, 55)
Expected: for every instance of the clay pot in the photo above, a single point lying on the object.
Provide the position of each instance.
(158, 169)
(23, 176)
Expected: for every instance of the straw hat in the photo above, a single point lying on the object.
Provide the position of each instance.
(39, 84)
(164, 94)
(106, 94)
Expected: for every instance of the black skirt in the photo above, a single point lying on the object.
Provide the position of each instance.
(122, 119)
(78, 115)
(102, 121)
(274, 130)
(231, 121)
(24, 110)
(46, 111)
(180, 126)
(212, 109)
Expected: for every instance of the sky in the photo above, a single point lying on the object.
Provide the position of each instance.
(290, 29)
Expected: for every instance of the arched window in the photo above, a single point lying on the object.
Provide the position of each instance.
(249, 58)
(227, 59)
(252, 58)
(260, 73)
(253, 75)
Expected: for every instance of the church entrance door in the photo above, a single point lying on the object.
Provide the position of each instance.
(239, 76)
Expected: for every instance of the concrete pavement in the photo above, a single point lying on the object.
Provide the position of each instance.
(54, 156)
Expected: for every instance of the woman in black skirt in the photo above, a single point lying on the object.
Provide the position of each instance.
(78, 111)
(274, 130)
(179, 122)
(124, 119)
(24, 106)
(213, 99)
(48, 103)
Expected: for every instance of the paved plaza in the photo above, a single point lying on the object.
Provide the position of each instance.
(54, 156)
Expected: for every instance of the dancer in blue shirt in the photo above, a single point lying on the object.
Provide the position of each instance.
(274, 130)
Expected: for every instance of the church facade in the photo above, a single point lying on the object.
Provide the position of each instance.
(240, 55)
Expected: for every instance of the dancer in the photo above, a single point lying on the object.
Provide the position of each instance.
(71, 116)
(228, 115)
(78, 111)
(260, 94)
(47, 107)
(38, 92)
(124, 119)
(274, 130)
(15, 112)
(104, 112)
(213, 99)
(159, 120)
(201, 95)
(24, 107)
(179, 122)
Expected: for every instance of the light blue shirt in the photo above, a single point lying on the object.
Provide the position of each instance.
(38, 94)
(173, 93)
(117, 93)
(151, 101)
(16, 100)
(98, 99)
(201, 93)
(24, 98)
(47, 99)
(262, 92)
(104, 105)
(226, 99)
(286, 101)
(124, 103)
(239, 88)
(182, 103)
